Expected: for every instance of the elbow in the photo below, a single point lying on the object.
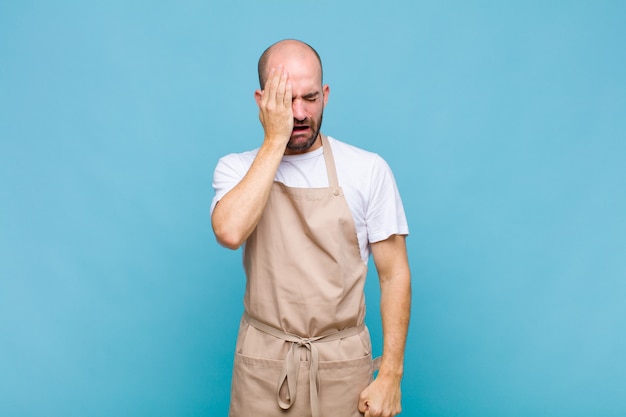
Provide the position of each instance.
(228, 242)
(228, 233)
(228, 237)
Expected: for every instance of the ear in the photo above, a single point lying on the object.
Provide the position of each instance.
(258, 94)
(325, 93)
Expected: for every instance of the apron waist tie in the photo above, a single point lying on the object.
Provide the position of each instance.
(291, 366)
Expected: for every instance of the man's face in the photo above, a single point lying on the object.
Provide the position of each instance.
(308, 101)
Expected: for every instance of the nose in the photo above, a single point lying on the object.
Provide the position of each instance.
(299, 112)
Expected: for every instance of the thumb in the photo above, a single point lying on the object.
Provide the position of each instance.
(363, 403)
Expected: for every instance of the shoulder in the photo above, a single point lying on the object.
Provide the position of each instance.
(344, 148)
(356, 158)
(236, 162)
(239, 157)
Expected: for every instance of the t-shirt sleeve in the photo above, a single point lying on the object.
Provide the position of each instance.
(229, 171)
(385, 213)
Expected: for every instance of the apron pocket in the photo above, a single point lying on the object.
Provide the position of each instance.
(253, 389)
(341, 384)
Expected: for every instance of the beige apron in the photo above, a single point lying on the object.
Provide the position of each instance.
(303, 349)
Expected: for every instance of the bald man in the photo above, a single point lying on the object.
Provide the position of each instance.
(309, 210)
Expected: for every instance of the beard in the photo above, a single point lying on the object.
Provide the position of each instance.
(306, 145)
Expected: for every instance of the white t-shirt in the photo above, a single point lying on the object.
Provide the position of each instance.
(365, 178)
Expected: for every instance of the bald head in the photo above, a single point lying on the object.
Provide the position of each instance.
(286, 49)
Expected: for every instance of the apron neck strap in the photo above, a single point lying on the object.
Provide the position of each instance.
(330, 163)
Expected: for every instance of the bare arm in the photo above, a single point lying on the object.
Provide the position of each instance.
(238, 212)
(382, 397)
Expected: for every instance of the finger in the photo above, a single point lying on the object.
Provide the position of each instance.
(274, 83)
(288, 94)
(282, 86)
(268, 91)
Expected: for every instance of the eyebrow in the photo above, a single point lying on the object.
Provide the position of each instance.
(311, 95)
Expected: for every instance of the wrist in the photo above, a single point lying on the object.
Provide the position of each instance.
(391, 372)
(276, 141)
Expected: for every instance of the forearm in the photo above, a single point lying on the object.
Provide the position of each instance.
(394, 275)
(395, 305)
(238, 212)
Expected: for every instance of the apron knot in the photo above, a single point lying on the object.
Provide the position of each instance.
(306, 342)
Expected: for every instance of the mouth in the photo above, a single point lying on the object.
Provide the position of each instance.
(300, 129)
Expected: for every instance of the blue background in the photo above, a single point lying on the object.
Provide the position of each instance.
(504, 123)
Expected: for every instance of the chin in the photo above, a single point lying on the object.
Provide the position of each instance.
(300, 143)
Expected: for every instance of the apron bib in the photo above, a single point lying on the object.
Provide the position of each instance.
(302, 348)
